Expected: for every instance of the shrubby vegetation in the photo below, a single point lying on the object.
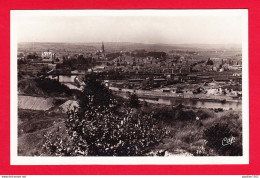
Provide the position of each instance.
(133, 101)
(32, 56)
(104, 125)
(112, 56)
(52, 86)
(200, 132)
(209, 62)
(77, 62)
(225, 127)
(143, 53)
(102, 133)
(22, 61)
(100, 127)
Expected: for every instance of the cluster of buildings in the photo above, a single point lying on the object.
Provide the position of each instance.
(183, 65)
(156, 71)
(172, 70)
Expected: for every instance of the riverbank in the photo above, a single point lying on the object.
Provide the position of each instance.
(186, 124)
(159, 97)
(159, 93)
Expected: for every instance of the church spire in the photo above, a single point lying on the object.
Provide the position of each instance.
(103, 47)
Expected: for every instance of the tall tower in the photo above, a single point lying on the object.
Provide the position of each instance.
(103, 47)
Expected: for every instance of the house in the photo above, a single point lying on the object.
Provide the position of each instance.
(48, 56)
(235, 67)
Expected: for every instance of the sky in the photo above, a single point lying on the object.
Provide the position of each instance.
(137, 29)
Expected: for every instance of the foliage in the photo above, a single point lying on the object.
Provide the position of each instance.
(98, 128)
(161, 55)
(133, 101)
(22, 61)
(227, 127)
(112, 56)
(20, 75)
(32, 56)
(143, 53)
(52, 86)
(209, 62)
(45, 70)
(175, 114)
(94, 92)
(177, 57)
(103, 133)
(77, 62)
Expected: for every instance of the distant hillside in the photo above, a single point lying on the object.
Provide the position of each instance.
(118, 46)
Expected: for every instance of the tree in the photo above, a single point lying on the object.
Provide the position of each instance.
(52, 87)
(99, 128)
(32, 55)
(133, 101)
(209, 62)
(95, 92)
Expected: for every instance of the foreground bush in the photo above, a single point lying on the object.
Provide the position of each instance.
(97, 129)
(102, 133)
(227, 127)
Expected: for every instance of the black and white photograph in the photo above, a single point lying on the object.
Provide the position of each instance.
(133, 86)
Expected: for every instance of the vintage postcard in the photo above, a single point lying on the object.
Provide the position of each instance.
(129, 87)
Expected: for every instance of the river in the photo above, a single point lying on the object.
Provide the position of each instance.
(162, 98)
(159, 97)
(64, 78)
(235, 105)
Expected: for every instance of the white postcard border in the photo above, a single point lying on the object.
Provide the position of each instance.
(173, 160)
